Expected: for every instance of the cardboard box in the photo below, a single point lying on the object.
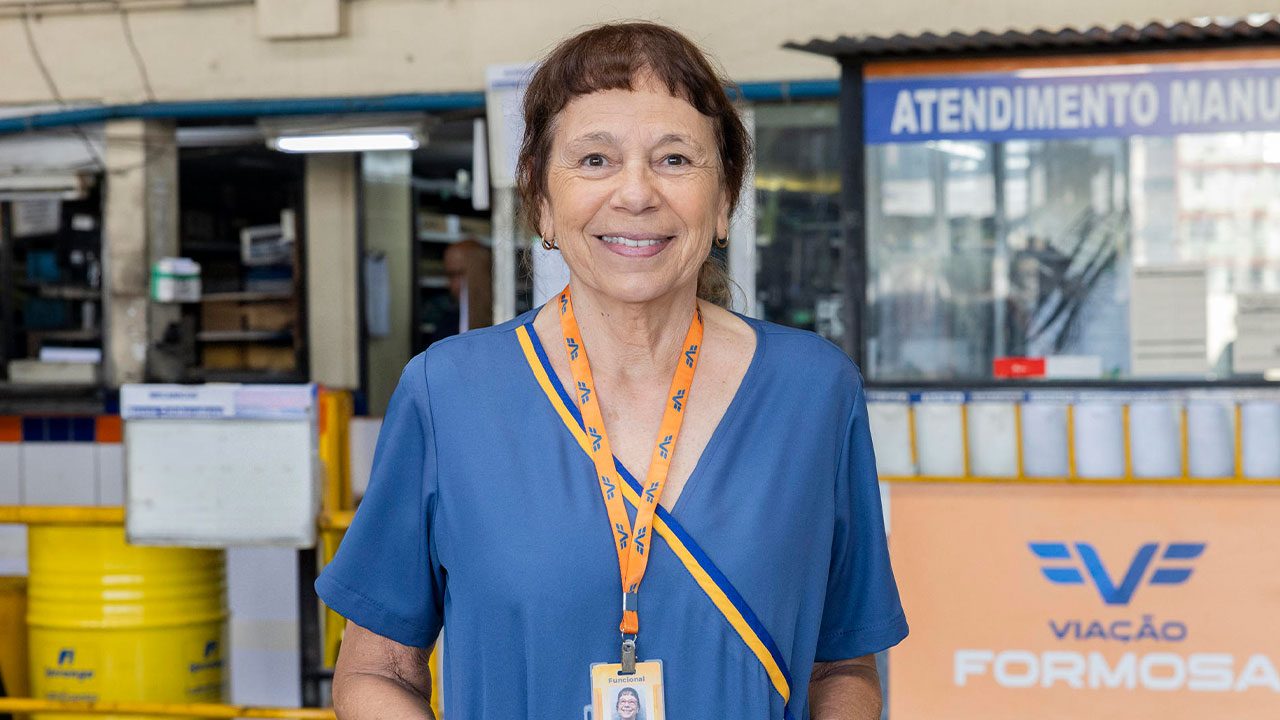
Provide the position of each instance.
(223, 357)
(272, 316)
(221, 317)
(271, 357)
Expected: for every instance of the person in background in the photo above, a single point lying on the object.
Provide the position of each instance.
(755, 568)
(469, 267)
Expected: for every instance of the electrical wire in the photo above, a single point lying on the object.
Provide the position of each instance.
(133, 49)
(34, 50)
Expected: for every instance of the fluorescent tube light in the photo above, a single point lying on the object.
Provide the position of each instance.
(347, 142)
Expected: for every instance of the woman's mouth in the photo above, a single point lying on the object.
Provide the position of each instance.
(646, 245)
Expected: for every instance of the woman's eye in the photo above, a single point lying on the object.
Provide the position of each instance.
(675, 160)
(594, 160)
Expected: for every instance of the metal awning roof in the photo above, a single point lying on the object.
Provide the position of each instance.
(1199, 33)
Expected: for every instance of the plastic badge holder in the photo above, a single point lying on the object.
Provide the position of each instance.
(891, 437)
(1155, 439)
(939, 439)
(993, 439)
(1044, 439)
(1099, 439)
(1261, 430)
(1211, 439)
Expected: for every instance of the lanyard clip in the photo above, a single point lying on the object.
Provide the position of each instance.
(628, 655)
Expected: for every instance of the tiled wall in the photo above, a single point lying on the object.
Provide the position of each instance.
(56, 461)
(61, 461)
(80, 461)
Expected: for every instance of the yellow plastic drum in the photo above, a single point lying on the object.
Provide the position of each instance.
(13, 636)
(113, 622)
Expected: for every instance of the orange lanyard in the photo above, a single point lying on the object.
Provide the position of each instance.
(632, 543)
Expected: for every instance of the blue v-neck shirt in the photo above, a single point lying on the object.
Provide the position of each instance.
(483, 516)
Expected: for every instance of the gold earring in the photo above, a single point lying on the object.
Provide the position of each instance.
(722, 242)
(550, 244)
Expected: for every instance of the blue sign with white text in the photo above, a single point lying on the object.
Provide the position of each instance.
(1073, 103)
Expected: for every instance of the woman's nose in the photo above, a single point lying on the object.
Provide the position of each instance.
(637, 192)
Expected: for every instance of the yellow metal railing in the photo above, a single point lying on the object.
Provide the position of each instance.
(1073, 476)
(60, 515)
(202, 710)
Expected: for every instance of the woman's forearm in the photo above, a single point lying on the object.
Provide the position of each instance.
(368, 696)
(845, 690)
(377, 678)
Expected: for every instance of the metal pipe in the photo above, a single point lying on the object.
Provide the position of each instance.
(203, 710)
(425, 102)
(422, 102)
(335, 520)
(60, 515)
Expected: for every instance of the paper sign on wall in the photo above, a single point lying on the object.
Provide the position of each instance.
(1169, 321)
(1257, 347)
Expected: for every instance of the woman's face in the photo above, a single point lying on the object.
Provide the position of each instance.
(628, 705)
(635, 192)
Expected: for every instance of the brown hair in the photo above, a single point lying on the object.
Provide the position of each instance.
(611, 57)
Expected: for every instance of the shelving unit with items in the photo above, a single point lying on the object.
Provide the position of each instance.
(241, 222)
(51, 295)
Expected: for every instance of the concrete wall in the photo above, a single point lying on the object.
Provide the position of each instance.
(388, 230)
(227, 50)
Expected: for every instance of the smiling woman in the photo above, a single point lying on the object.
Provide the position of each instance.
(633, 437)
(700, 145)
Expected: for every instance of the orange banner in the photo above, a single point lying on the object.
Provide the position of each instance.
(1096, 602)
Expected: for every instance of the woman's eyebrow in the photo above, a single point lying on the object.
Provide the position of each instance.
(600, 137)
(681, 139)
(676, 138)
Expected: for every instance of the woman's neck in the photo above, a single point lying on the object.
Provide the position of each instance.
(633, 341)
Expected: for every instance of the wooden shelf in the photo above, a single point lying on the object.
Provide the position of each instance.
(243, 336)
(245, 296)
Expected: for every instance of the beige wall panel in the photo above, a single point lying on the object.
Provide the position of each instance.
(388, 229)
(282, 19)
(330, 235)
(392, 46)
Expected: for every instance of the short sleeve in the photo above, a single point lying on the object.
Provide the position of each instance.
(862, 612)
(385, 576)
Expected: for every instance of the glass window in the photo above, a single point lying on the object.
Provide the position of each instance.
(798, 241)
(1100, 254)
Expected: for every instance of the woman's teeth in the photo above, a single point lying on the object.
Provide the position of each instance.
(629, 242)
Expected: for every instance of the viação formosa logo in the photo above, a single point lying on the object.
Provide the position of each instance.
(1169, 563)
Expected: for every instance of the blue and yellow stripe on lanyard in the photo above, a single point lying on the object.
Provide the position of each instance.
(708, 577)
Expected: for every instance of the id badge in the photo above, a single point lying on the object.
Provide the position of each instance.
(627, 697)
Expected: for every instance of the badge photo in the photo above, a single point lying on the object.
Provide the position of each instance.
(637, 696)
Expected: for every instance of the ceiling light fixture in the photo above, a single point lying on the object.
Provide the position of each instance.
(346, 142)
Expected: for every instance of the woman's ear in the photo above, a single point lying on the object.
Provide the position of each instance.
(546, 223)
(722, 215)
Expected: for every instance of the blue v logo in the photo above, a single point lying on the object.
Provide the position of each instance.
(1116, 589)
